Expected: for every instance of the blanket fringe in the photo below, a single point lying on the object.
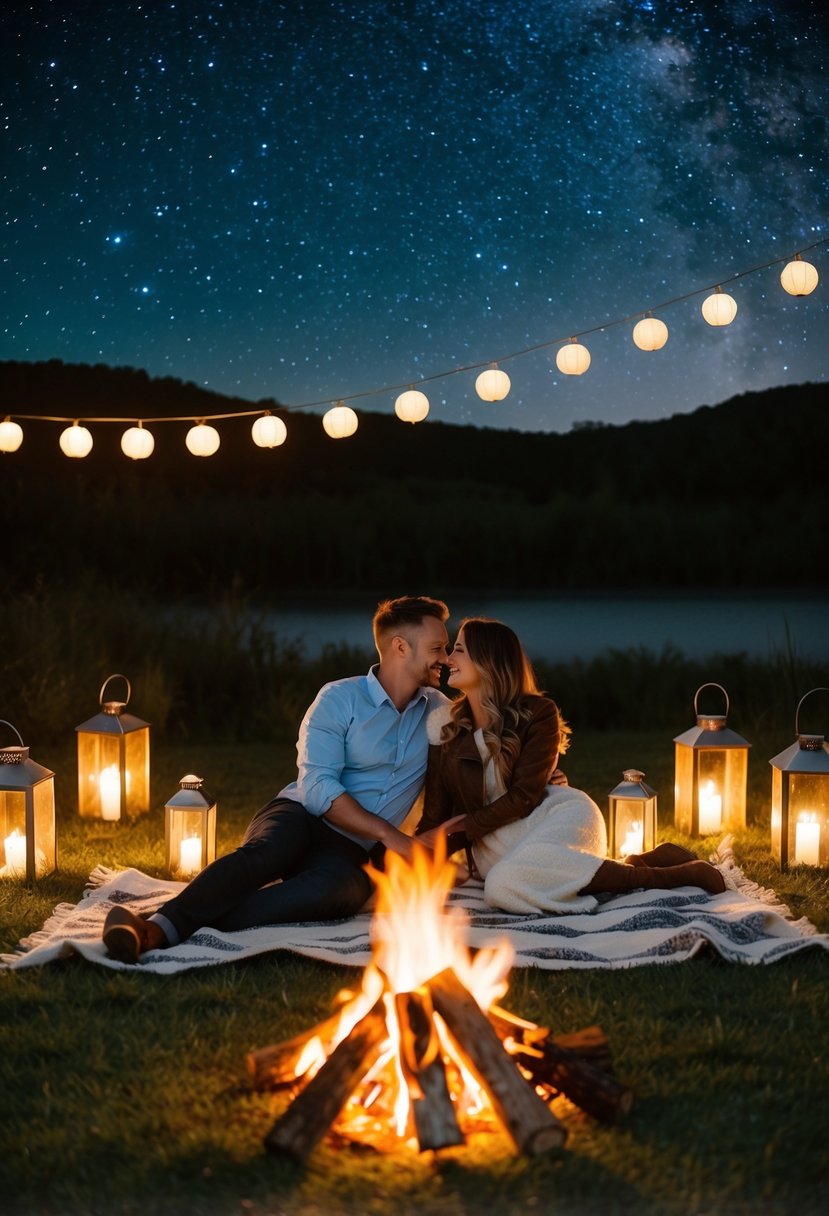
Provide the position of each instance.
(99, 876)
(737, 880)
(41, 937)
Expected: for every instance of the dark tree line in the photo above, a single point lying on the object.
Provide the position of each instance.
(729, 496)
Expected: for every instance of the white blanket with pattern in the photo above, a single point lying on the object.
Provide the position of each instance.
(746, 924)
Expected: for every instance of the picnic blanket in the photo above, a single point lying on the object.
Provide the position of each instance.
(745, 924)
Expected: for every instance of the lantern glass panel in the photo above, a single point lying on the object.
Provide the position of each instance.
(43, 817)
(808, 819)
(684, 800)
(13, 833)
(633, 826)
(137, 770)
(190, 839)
(99, 775)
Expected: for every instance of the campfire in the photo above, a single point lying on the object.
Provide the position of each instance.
(423, 1053)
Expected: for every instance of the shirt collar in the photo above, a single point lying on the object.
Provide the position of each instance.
(378, 694)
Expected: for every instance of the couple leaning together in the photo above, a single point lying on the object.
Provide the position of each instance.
(489, 760)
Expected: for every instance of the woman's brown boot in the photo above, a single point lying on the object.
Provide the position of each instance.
(665, 854)
(615, 878)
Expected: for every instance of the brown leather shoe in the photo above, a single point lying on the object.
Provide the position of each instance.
(127, 936)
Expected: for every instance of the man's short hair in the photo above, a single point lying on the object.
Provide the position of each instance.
(394, 615)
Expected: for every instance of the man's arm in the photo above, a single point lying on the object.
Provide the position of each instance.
(346, 813)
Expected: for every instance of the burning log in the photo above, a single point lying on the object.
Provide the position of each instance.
(433, 1110)
(531, 1124)
(557, 1062)
(307, 1119)
(276, 1066)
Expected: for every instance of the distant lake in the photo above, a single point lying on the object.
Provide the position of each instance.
(584, 625)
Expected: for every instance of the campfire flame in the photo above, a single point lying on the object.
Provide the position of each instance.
(423, 1051)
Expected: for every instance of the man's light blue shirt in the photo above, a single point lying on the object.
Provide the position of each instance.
(353, 740)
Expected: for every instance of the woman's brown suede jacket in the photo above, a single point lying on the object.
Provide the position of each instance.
(455, 776)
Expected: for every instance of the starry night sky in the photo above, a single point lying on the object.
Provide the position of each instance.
(319, 198)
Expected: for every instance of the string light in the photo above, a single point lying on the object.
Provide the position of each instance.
(650, 333)
(719, 308)
(76, 441)
(340, 422)
(798, 278)
(492, 385)
(411, 406)
(573, 359)
(137, 443)
(268, 431)
(202, 440)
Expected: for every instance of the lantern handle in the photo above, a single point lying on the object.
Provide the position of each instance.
(3, 722)
(712, 685)
(115, 676)
(796, 712)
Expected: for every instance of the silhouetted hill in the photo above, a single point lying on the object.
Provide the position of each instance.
(730, 495)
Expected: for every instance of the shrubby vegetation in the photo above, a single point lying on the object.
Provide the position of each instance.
(222, 673)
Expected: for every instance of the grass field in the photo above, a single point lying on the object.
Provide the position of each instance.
(127, 1093)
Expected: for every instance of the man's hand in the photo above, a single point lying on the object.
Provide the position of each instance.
(429, 839)
(557, 777)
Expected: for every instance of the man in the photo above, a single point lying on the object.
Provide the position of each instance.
(361, 760)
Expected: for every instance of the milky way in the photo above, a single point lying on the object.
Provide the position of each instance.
(309, 201)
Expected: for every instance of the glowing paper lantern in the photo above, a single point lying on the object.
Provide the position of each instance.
(113, 761)
(411, 406)
(711, 775)
(799, 278)
(190, 828)
(76, 441)
(650, 333)
(202, 440)
(719, 308)
(269, 432)
(11, 436)
(27, 814)
(573, 359)
(632, 816)
(340, 422)
(800, 799)
(137, 443)
(492, 385)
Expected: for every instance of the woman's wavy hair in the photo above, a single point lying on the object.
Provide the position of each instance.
(507, 681)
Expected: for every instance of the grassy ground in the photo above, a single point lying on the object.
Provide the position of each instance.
(125, 1093)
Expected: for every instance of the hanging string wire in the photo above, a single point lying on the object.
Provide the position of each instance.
(455, 371)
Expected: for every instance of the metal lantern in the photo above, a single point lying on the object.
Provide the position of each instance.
(632, 815)
(800, 800)
(113, 761)
(711, 774)
(27, 814)
(190, 828)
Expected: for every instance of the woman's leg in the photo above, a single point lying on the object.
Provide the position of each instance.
(616, 878)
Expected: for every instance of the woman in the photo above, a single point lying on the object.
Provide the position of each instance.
(538, 848)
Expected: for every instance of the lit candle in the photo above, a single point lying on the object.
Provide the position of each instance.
(190, 856)
(634, 841)
(110, 787)
(15, 854)
(710, 809)
(806, 841)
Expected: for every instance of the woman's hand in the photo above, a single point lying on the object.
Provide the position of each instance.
(429, 839)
